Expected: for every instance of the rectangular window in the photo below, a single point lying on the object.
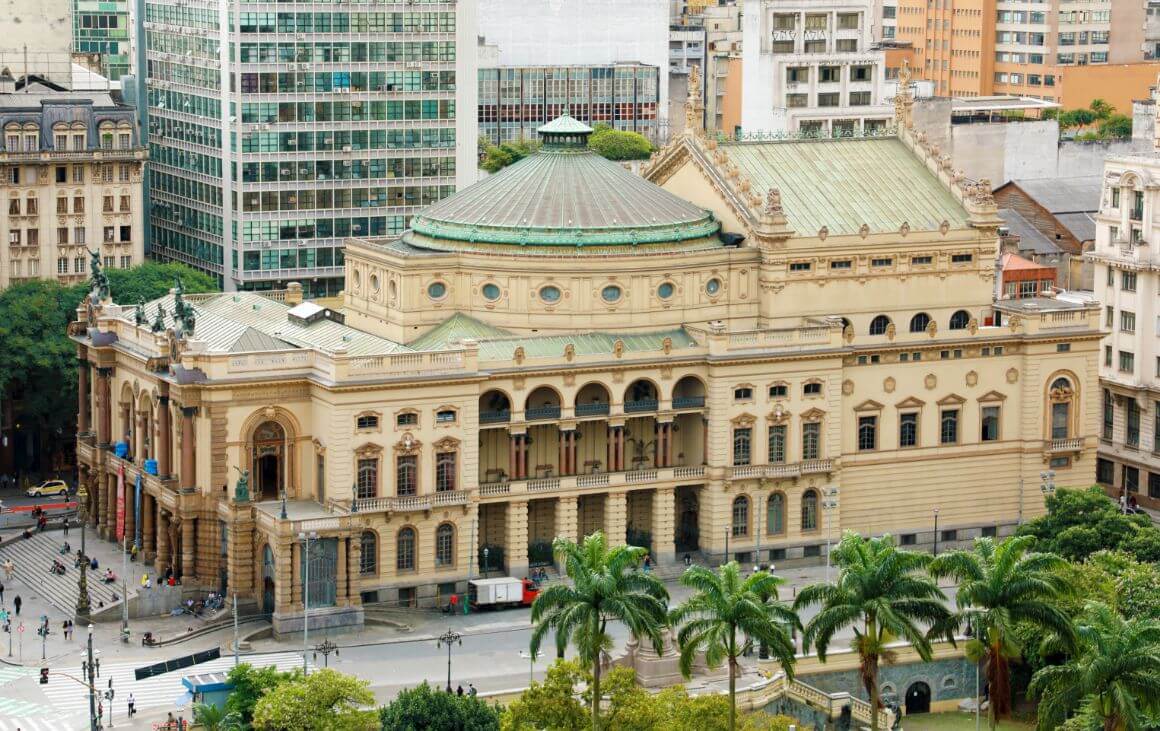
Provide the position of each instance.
(777, 444)
(799, 266)
(1108, 357)
(921, 260)
(1132, 433)
(841, 264)
(949, 426)
(742, 446)
(908, 429)
(409, 418)
(1109, 416)
(1127, 361)
(445, 471)
(1105, 471)
(867, 433)
(1109, 316)
(406, 474)
(811, 440)
(743, 394)
(1127, 321)
(1153, 485)
(990, 425)
(368, 478)
(1156, 426)
(1128, 281)
(1131, 477)
(883, 262)
(961, 258)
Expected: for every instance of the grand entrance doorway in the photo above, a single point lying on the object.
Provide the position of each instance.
(688, 520)
(918, 698)
(269, 460)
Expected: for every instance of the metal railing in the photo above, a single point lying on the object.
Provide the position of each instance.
(648, 404)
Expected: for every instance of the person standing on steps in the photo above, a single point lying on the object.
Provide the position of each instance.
(17, 602)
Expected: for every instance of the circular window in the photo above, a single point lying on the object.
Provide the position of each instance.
(491, 292)
(713, 286)
(436, 290)
(611, 293)
(665, 290)
(375, 282)
(550, 294)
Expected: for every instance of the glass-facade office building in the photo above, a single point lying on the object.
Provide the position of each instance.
(102, 26)
(277, 130)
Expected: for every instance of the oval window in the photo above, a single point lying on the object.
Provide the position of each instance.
(550, 294)
(375, 282)
(490, 292)
(611, 293)
(713, 286)
(665, 290)
(357, 279)
(392, 289)
(436, 290)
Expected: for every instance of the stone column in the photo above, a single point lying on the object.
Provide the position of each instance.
(513, 464)
(296, 575)
(188, 547)
(82, 395)
(242, 560)
(94, 487)
(664, 510)
(616, 518)
(353, 559)
(148, 539)
(164, 438)
(130, 512)
(284, 554)
(104, 406)
(163, 559)
(566, 518)
(139, 437)
(562, 457)
(109, 499)
(516, 538)
(188, 455)
(342, 591)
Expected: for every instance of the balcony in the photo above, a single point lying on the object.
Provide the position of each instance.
(636, 407)
(782, 471)
(1059, 446)
(540, 413)
(411, 503)
(541, 485)
(688, 402)
(495, 417)
(597, 409)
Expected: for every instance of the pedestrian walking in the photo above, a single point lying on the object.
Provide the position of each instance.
(471, 691)
(66, 527)
(9, 568)
(459, 691)
(1, 593)
(97, 664)
(132, 706)
(64, 629)
(16, 603)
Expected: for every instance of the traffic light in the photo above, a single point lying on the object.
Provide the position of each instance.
(44, 676)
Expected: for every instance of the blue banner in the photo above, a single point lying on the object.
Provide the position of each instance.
(137, 514)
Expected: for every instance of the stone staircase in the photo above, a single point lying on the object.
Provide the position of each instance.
(34, 556)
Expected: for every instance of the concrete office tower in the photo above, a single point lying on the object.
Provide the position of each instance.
(809, 68)
(276, 135)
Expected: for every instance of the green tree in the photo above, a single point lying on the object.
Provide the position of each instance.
(882, 593)
(250, 684)
(1080, 523)
(1114, 674)
(324, 700)
(551, 704)
(1116, 126)
(154, 279)
(1101, 108)
(999, 586)
(1076, 118)
(496, 158)
(215, 718)
(426, 709)
(607, 584)
(615, 144)
(726, 614)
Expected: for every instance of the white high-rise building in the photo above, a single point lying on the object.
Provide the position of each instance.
(809, 67)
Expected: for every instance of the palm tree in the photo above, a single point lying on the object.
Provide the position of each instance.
(606, 585)
(725, 604)
(1000, 586)
(1114, 672)
(882, 593)
(215, 718)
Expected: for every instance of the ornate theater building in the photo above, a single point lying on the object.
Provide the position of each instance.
(754, 347)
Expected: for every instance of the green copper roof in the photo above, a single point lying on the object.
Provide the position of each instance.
(842, 184)
(563, 196)
(454, 329)
(565, 124)
(594, 343)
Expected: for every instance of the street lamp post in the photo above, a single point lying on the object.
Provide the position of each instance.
(936, 531)
(531, 657)
(829, 504)
(486, 561)
(306, 538)
(449, 638)
(125, 587)
(93, 723)
(326, 647)
(83, 607)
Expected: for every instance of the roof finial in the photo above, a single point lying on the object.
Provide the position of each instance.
(694, 105)
(1156, 111)
(904, 97)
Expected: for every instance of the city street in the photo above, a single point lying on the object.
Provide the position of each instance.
(493, 654)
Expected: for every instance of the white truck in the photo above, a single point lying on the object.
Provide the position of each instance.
(501, 592)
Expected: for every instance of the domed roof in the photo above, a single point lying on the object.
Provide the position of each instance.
(562, 195)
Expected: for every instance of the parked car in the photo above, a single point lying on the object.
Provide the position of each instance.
(48, 488)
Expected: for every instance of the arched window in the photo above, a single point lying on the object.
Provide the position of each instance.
(1060, 384)
(810, 510)
(775, 514)
(445, 545)
(879, 324)
(960, 320)
(405, 550)
(368, 562)
(740, 516)
(368, 477)
(919, 322)
(1060, 395)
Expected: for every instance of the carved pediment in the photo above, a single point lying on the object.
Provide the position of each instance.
(447, 444)
(367, 450)
(910, 403)
(993, 396)
(814, 414)
(408, 444)
(779, 415)
(952, 399)
(743, 420)
(868, 405)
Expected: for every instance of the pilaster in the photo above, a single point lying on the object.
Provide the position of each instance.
(615, 518)
(664, 538)
(188, 547)
(241, 561)
(566, 518)
(148, 539)
(516, 540)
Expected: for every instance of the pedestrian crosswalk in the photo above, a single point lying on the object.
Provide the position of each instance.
(42, 723)
(8, 673)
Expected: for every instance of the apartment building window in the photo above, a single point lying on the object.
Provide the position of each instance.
(62, 266)
(831, 99)
(1128, 281)
(867, 433)
(406, 474)
(1131, 476)
(124, 204)
(908, 429)
(1109, 419)
(14, 207)
(79, 235)
(60, 142)
(14, 238)
(847, 21)
(797, 101)
(14, 175)
(783, 47)
(1153, 484)
(445, 471)
(1127, 321)
(990, 424)
(123, 141)
(784, 21)
(109, 234)
(829, 74)
(1108, 356)
(811, 440)
(796, 74)
(859, 98)
(778, 391)
(126, 234)
(743, 394)
(815, 21)
(742, 446)
(1105, 471)
(62, 205)
(368, 478)
(949, 426)
(62, 235)
(78, 204)
(1132, 424)
(33, 236)
(847, 45)
(108, 204)
(78, 173)
(126, 262)
(1127, 361)
(861, 73)
(1137, 212)
(108, 262)
(1156, 426)
(777, 444)
(78, 265)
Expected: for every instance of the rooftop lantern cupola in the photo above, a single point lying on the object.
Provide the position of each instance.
(565, 132)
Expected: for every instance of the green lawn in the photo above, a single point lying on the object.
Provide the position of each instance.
(957, 721)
